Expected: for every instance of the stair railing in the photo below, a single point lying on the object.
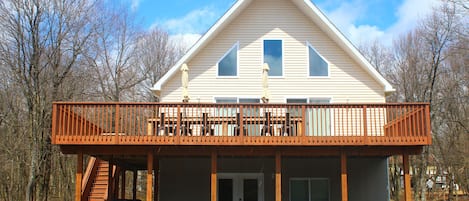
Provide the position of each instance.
(90, 173)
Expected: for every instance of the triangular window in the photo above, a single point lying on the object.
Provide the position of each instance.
(228, 64)
(317, 65)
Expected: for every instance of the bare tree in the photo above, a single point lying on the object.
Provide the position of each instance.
(464, 4)
(425, 63)
(114, 56)
(157, 54)
(41, 43)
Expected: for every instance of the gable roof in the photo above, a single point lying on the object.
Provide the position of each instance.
(309, 9)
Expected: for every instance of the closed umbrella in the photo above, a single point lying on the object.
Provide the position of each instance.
(185, 82)
(265, 83)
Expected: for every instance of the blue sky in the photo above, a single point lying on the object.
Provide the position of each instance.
(359, 20)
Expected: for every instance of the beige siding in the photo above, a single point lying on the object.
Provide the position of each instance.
(275, 19)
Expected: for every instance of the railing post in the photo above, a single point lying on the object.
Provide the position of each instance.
(241, 124)
(365, 126)
(116, 135)
(303, 125)
(178, 125)
(428, 123)
(54, 122)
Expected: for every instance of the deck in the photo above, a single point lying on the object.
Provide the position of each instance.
(199, 124)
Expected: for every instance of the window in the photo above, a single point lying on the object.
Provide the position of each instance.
(252, 129)
(309, 189)
(296, 112)
(228, 64)
(273, 57)
(317, 65)
(318, 120)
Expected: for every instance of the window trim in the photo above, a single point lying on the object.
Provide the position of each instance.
(309, 97)
(283, 57)
(309, 179)
(309, 45)
(215, 98)
(236, 45)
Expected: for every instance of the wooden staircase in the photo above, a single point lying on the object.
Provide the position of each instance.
(96, 181)
(99, 187)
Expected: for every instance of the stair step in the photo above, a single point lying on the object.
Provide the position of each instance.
(100, 182)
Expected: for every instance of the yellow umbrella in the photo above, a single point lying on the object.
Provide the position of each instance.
(265, 83)
(185, 82)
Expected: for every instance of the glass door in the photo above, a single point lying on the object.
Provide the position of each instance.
(225, 189)
(253, 128)
(240, 187)
(319, 119)
(250, 190)
(225, 112)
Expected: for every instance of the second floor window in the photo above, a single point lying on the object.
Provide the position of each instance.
(228, 64)
(274, 57)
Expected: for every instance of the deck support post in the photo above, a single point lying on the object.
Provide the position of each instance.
(110, 192)
(278, 176)
(79, 177)
(134, 185)
(407, 188)
(149, 176)
(122, 184)
(115, 190)
(156, 167)
(213, 190)
(343, 176)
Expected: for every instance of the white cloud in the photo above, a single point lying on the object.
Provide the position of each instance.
(184, 40)
(195, 22)
(408, 15)
(363, 33)
(346, 14)
(186, 30)
(134, 4)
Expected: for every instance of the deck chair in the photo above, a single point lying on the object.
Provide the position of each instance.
(287, 128)
(267, 127)
(237, 127)
(163, 129)
(185, 127)
(206, 129)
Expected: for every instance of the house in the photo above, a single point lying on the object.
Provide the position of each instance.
(278, 105)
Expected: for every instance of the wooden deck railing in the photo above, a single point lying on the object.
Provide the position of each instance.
(241, 124)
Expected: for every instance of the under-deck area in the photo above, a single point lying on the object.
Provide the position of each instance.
(201, 173)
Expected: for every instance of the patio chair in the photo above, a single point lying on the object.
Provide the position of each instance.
(237, 127)
(287, 128)
(267, 127)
